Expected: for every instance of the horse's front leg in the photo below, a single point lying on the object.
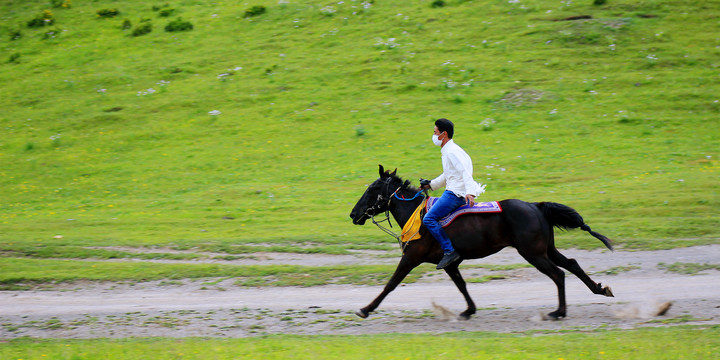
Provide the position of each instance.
(403, 268)
(454, 273)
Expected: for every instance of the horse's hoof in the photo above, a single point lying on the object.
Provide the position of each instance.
(554, 316)
(464, 316)
(608, 292)
(362, 313)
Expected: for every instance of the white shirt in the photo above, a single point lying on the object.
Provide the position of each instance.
(457, 172)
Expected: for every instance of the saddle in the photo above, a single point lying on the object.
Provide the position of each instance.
(479, 207)
(411, 230)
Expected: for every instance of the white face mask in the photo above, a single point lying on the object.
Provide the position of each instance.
(436, 141)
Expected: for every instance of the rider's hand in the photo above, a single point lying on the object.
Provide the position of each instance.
(470, 199)
(424, 184)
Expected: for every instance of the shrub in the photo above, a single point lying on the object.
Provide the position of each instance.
(360, 131)
(178, 25)
(50, 34)
(108, 13)
(438, 3)
(599, 2)
(15, 35)
(45, 18)
(158, 7)
(14, 58)
(65, 4)
(166, 12)
(255, 11)
(142, 29)
(126, 24)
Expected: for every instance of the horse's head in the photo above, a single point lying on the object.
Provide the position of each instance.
(376, 198)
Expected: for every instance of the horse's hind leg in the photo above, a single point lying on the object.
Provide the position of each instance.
(573, 266)
(454, 273)
(403, 268)
(543, 263)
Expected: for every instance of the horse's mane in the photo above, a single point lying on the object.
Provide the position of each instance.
(406, 184)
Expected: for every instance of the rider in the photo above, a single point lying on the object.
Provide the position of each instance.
(460, 188)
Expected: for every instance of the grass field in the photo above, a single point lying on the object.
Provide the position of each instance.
(680, 342)
(259, 133)
(249, 132)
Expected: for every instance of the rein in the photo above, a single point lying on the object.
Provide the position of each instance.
(419, 193)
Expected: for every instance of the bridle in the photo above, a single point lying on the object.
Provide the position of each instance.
(381, 199)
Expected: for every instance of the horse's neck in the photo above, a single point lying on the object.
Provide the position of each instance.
(403, 210)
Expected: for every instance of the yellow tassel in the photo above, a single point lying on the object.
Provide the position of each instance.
(411, 230)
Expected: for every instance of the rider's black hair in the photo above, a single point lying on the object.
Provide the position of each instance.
(445, 125)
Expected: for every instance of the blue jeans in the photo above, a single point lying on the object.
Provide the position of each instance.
(444, 206)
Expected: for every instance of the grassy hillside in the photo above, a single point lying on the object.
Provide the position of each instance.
(265, 129)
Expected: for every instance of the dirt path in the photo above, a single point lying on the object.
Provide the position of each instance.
(509, 305)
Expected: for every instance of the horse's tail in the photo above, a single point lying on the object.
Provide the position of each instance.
(565, 217)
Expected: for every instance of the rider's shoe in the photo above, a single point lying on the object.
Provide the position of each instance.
(448, 258)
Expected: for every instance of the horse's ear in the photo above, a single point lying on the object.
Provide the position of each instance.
(406, 184)
(394, 172)
(382, 171)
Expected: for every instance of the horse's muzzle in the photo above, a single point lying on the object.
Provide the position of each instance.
(358, 219)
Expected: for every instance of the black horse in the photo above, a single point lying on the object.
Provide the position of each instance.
(526, 226)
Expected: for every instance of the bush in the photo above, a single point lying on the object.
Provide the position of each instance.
(158, 7)
(108, 13)
(178, 25)
(599, 2)
(45, 18)
(50, 34)
(166, 12)
(14, 58)
(126, 24)
(438, 3)
(255, 11)
(360, 131)
(65, 4)
(15, 35)
(142, 29)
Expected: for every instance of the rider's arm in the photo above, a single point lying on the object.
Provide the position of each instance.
(438, 182)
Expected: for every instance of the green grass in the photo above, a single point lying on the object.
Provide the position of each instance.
(615, 270)
(676, 320)
(688, 268)
(679, 342)
(486, 278)
(616, 116)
